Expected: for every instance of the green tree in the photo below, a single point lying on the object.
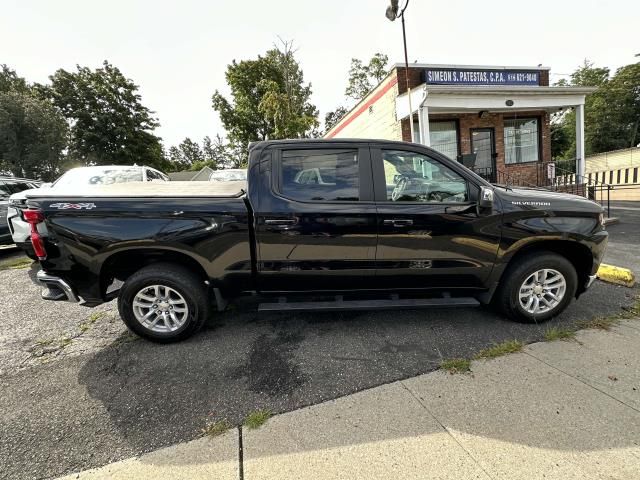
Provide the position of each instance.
(612, 112)
(363, 78)
(269, 99)
(33, 136)
(11, 82)
(109, 124)
(217, 153)
(333, 117)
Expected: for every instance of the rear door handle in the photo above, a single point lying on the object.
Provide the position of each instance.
(279, 221)
(399, 222)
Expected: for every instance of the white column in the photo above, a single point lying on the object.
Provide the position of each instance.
(423, 120)
(580, 161)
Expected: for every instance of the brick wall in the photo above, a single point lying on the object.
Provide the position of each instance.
(415, 78)
(527, 172)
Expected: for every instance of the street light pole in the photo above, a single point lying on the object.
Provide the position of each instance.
(406, 72)
(392, 14)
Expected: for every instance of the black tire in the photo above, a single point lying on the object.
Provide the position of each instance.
(178, 278)
(507, 296)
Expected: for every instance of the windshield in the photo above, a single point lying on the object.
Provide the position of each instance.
(228, 175)
(99, 176)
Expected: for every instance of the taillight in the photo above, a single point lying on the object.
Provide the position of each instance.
(33, 218)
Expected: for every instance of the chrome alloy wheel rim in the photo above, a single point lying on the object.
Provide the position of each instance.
(160, 309)
(542, 291)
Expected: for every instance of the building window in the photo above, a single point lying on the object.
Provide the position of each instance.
(444, 137)
(521, 140)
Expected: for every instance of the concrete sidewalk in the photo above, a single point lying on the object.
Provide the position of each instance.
(564, 409)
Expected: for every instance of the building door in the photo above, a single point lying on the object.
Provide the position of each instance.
(483, 145)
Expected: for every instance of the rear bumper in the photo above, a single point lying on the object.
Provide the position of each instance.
(56, 289)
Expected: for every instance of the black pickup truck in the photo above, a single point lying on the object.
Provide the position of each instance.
(319, 225)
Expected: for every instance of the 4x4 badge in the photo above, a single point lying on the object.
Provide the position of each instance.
(73, 206)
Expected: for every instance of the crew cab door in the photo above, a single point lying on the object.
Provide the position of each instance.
(315, 218)
(431, 232)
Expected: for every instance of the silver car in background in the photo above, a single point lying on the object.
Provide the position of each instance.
(8, 187)
(229, 175)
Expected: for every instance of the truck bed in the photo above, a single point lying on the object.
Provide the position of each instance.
(233, 189)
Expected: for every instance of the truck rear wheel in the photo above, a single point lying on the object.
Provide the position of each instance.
(537, 287)
(163, 302)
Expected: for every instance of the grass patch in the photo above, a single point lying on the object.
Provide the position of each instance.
(600, 323)
(93, 318)
(16, 264)
(44, 343)
(606, 323)
(213, 429)
(257, 418)
(558, 333)
(499, 349)
(65, 342)
(456, 365)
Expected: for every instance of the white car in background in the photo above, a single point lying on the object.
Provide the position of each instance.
(74, 178)
(229, 175)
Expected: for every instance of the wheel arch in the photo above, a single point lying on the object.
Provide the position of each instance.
(122, 264)
(578, 254)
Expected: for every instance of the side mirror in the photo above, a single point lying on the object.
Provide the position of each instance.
(486, 197)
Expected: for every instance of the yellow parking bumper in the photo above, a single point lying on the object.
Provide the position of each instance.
(617, 275)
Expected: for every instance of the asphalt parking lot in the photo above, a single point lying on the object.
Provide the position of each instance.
(625, 236)
(79, 391)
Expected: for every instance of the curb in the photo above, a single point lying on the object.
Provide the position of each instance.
(617, 275)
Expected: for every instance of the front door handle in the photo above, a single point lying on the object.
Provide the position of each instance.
(399, 222)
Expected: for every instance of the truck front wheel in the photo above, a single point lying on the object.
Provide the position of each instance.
(163, 302)
(537, 287)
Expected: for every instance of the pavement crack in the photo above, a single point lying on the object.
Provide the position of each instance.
(240, 455)
(581, 381)
(475, 460)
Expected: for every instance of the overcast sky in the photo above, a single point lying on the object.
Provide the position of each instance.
(177, 51)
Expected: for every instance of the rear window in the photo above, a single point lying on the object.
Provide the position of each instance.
(78, 177)
(320, 175)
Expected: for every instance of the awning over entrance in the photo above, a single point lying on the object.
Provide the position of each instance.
(452, 99)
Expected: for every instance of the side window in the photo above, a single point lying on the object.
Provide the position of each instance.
(4, 190)
(151, 175)
(412, 177)
(320, 175)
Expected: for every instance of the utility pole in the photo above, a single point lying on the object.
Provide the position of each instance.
(393, 13)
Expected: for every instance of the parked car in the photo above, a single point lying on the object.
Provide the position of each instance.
(400, 226)
(8, 187)
(228, 175)
(74, 178)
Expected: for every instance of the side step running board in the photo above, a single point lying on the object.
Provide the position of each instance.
(381, 304)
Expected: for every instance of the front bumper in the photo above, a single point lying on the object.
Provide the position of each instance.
(56, 289)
